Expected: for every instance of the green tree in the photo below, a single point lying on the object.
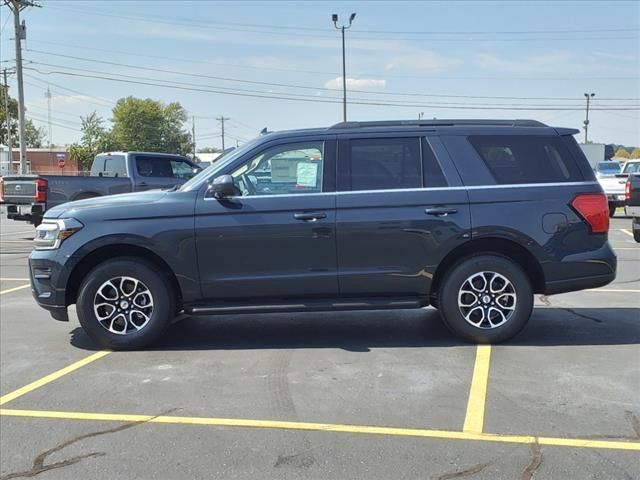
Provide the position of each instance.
(150, 125)
(635, 153)
(34, 136)
(95, 139)
(622, 153)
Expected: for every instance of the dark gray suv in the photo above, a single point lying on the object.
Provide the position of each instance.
(472, 217)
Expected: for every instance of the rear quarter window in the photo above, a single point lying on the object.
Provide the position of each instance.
(513, 159)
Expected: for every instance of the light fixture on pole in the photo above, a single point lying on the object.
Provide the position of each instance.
(588, 96)
(342, 28)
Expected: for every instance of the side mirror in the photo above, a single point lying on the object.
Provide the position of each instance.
(223, 186)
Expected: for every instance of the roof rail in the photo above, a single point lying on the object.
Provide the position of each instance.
(438, 123)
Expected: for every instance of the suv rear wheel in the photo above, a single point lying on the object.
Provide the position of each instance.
(486, 299)
(125, 304)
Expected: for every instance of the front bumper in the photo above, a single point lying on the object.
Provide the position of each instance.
(48, 277)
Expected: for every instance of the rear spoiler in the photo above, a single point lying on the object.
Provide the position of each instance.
(566, 131)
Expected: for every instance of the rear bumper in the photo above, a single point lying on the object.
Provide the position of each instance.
(25, 211)
(591, 269)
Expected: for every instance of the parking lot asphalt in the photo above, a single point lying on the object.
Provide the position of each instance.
(388, 395)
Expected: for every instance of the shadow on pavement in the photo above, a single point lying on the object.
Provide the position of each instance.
(360, 331)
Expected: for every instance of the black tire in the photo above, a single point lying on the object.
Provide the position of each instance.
(456, 278)
(612, 211)
(636, 235)
(162, 295)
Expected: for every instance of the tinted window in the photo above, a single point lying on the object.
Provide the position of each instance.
(285, 169)
(527, 159)
(151, 166)
(115, 166)
(182, 169)
(433, 176)
(385, 163)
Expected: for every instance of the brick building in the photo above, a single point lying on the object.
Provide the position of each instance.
(45, 162)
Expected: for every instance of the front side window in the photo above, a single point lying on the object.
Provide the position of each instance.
(385, 163)
(523, 159)
(150, 166)
(182, 169)
(294, 168)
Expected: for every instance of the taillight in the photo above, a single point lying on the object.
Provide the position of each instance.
(627, 190)
(1, 189)
(41, 190)
(594, 209)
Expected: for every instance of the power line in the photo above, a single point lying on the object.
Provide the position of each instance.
(105, 102)
(255, 82)
(316, 99)
(311, 72)
(301, 32)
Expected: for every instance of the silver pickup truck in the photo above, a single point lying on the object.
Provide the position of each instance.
(27, 197)
(613, 180)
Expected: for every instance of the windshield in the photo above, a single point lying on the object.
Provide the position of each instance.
(212, 170)
(608, 167)
(632, 167)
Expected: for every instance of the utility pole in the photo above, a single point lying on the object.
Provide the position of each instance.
(589, 96)
(20, 31)
(193, 135)
(342, 28)
(48, 95)
(8, 120)
(221, 119)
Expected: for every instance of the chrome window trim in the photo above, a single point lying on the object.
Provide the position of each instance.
(423, 189)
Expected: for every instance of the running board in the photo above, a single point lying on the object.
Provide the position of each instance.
(306, 305)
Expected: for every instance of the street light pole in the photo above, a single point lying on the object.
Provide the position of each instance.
(588, 96)
(342, 28)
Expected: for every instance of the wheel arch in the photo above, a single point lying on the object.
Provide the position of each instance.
(85, 195)
(492, 245)
(109, 252)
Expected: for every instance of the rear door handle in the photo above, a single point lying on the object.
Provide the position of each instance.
(310, 216)
(440, 211)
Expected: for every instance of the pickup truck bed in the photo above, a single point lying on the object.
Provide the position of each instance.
(27, 197)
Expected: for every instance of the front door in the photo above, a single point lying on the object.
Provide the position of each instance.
(397, 214)
(276, 237)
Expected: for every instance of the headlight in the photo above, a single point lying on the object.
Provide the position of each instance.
(51, 233)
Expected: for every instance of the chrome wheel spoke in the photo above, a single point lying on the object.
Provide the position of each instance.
(487, 300)
(123, 305)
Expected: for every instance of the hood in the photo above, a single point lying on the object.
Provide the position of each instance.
(122, 203)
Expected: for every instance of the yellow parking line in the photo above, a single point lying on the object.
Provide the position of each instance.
(52, 376)
(15, 289)
(325, 427)
(9, 279)
(628, 232)
(474, 420)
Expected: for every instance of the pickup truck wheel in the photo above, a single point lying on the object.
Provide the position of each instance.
(636, 235)
(612, 211)
(125, 304)
(486, 299)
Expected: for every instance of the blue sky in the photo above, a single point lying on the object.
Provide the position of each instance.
(446, 59)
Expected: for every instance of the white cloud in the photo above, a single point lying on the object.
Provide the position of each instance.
(357, 83)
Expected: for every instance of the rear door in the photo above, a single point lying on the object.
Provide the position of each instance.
(400, 209)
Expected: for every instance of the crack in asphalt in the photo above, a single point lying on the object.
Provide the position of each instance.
(545, 300)
(534, 464)
(582, 315)
(39, 466)
(461, 473)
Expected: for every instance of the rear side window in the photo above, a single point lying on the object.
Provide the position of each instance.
(527, 159)
(385, 163)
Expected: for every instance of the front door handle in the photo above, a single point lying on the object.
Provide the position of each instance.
(310, 216)
(440, 211)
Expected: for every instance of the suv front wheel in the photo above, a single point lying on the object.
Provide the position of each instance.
(486, 299)
(125, 303)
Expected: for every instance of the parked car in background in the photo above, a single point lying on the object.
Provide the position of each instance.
(28, 197)
(470, 216)
(632, 208)
(613, 182)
